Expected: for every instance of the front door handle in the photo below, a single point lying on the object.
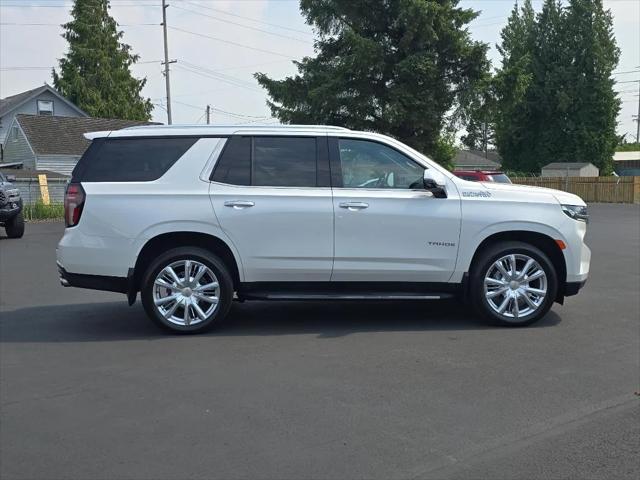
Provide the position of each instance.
(354, 206)
(239, 204)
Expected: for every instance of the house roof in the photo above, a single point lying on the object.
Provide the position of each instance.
(11, 103)
(20, 173)
(567, 165)
(49, 135)
(476, 159)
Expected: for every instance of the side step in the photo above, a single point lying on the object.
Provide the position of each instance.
(346, 291)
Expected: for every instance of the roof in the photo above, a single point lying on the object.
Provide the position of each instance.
(22, 173)
(11, 103)
(567, 165)
(626, 156)
(49, 135)
(473, 159)
(203, 130)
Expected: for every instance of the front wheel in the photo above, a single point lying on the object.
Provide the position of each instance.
(15, 226)
(186, 290)
(513, 284)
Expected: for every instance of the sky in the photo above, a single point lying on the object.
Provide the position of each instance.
(219, 44)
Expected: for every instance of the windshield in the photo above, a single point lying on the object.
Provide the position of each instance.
(500, 178)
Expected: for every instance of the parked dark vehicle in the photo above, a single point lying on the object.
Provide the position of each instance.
(482, 176)
(11, 217)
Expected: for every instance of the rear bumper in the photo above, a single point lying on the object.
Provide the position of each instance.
(572, 288)
(94, 282)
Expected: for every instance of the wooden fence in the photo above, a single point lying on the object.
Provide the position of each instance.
(591, 189)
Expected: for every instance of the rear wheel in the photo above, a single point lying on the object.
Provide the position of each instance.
(186, 290)
(513, 284)
(15, 226)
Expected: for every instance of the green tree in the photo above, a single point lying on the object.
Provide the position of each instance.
(512, 116)
(554, 93)
(94, 74)
(396, 67)
(592, 116)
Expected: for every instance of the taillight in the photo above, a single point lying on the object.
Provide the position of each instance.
(73, 203)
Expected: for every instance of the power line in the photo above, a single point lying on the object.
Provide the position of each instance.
(230, 42)
(243, 26)
(256, 20)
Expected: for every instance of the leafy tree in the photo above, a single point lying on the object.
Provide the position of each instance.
(396, 67)
(94, 74)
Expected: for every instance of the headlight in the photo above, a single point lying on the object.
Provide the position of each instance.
(13, 192)
(577, 212)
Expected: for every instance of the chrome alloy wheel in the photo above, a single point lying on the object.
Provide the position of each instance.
(186, 292)
(515, 286)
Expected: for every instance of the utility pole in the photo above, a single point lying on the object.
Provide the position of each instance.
(638, 117)
(166, 60)
(208, 114)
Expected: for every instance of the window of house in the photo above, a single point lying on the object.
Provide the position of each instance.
(14, 134)
(367, 164)
(45, 107)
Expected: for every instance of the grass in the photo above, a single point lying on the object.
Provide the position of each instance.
(40, 211)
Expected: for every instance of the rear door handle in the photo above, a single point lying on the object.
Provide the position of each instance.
(238, 204)
(354, 206)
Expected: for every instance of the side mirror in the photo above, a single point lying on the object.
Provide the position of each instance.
(435, 183)
(11, 178)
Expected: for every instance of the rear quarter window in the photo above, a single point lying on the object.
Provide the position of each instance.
(130, 159)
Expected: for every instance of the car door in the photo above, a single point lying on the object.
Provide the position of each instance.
(272, 197)
(387, 226)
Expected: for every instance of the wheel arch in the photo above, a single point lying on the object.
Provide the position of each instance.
(544, 242)
(165, 241)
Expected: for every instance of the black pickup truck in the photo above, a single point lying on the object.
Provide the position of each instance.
(11, 217)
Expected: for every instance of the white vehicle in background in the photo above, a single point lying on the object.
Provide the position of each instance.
(193, 217)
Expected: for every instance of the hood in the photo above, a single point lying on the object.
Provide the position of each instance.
(564, 198)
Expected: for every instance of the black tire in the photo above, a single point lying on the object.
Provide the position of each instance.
(15, 226)
(217, 266)
(486, 260)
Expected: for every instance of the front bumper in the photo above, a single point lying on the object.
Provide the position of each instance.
(10, 210)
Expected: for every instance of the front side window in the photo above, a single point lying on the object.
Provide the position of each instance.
(45, 107)
(366, 164)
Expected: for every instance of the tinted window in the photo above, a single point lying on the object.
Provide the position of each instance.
(130, 159)
(366, 164)
(500, 178)
(284, 161)
(234, 165)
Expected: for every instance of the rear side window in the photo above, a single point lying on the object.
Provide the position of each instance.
(130, 159)
(270, 162)
(284, 161)
(234, 165)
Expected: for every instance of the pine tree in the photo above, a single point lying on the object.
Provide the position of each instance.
(554, 92)
(594, 108)
(396, 67)
(511, 84)
(94, 74)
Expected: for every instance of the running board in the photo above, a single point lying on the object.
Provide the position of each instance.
(345, 291)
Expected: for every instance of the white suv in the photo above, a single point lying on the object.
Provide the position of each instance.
(195, 217)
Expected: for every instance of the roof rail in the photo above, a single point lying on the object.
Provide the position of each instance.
(241, 127)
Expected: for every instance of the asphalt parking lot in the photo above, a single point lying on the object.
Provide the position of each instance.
(90, 389)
